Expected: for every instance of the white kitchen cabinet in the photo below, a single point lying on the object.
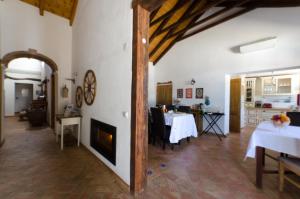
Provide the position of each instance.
(254, 116)
(277, 85)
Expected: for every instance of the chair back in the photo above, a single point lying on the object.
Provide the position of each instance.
(170, 107)
(185, 109)
(158, 122)
(295, 118)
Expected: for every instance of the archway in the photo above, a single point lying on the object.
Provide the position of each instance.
(54, 80)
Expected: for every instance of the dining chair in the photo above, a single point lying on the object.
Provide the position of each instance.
(291, 164)
(170, 107)
(185, 109)
(294, 117)
(150, 129)
(159, 127)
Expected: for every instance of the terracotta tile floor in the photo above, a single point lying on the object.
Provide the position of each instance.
(32, 166)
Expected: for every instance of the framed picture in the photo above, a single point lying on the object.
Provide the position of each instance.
(199, 93)
(180, 93)
(188, 93)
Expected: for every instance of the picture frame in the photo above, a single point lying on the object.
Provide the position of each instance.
(199, 93)
(188, 93)
(180, 93)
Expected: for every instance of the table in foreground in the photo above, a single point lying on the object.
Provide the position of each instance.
(68, 120)
(267, 136)
(182, 126)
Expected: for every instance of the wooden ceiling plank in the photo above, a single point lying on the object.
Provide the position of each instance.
(165, 21)
(265, 3)
(210, 17)
(195, 14)
(245, 10)
(73, 12)
(170, 12)
(41, 7)
(165, 38)
(153, 13)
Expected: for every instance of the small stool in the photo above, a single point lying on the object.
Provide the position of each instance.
(291, 164)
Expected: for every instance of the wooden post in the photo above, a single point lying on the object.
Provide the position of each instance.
(139, 100)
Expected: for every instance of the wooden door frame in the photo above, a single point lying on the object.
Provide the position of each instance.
(35, 55)
(139, 95)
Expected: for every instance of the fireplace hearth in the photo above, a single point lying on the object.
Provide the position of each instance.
(103, 139)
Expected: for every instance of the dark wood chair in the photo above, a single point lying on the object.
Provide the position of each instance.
(170, 107)
(159, 127)
(185, 109)
(295, 118)
(290, 164)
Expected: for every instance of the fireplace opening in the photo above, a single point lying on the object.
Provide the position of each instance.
(103, 139)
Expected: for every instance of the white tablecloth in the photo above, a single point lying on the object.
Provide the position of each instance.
(284, 140)
(182, 126)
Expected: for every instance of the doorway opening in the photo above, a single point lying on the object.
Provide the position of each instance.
(29, 90)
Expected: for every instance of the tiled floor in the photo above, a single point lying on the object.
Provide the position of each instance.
(32, 166)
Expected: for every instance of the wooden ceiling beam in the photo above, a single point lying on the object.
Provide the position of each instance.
(245, 10)
(165, 38)
(210, 17)
(174, 42)
(150, 5)
(195, 14)
(153, 13)
(165, 21)
(73, 12)
(266, 3)
(170, 12)
(41, 7)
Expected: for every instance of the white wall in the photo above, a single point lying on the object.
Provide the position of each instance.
(24, 28)
(210, 55)
(102, 37)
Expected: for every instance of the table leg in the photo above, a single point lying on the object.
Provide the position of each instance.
(259, 165)
(62, 136)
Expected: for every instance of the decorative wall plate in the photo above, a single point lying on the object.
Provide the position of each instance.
(89, 87)
(79, 96)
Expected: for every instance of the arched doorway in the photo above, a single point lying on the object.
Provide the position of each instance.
(54, 79)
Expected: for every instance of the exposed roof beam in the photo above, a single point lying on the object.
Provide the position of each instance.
(41, 7)
(195, 14)
(165, 38)
(165, 21)
(150, 5)
(174, 42)
(245, 10)
(266, 3)
(73, 12)
(210, 17)
(170, 12)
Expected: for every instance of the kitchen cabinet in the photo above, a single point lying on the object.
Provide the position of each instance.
(277, 85)
(250, 89)
(254, 116)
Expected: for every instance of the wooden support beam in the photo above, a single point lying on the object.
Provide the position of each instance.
(210, 17)
(165, 21)
(243, 11)
(265, 3)
(194, 14)
(151, 5)
(139, 99)
(165, 38)
(73, 12)
(178, 5)
(41, 7)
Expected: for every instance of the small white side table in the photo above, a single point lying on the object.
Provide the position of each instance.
(64, 121)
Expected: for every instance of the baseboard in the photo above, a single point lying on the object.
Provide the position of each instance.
(120, 181)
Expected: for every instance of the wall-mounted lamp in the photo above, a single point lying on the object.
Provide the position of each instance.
(193, 81)
(73, 80)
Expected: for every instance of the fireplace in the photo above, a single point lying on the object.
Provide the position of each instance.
(103, 139)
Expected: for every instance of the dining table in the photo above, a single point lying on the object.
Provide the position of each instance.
(182, 126)
(282, 139)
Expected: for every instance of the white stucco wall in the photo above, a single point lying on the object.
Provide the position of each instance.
(209, 56)
(24, 28)
(102, 37)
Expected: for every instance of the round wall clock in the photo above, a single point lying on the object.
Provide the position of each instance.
(89, 87)
(79, 96)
